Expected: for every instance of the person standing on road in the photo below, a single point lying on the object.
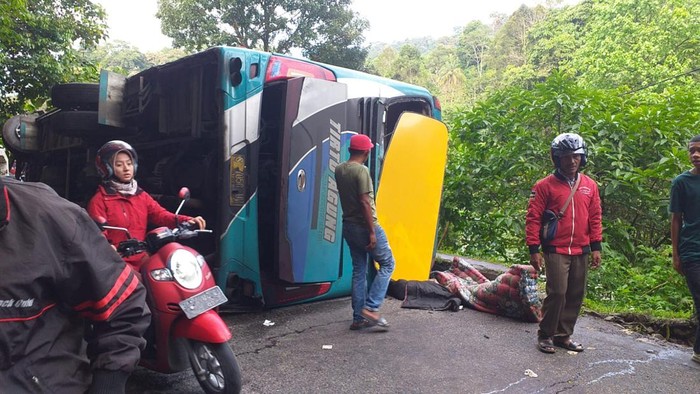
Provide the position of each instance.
(576, 239)
(59, 273)
(685, 229)
(364, 235)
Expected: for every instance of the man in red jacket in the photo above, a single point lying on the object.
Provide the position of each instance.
(576, 239)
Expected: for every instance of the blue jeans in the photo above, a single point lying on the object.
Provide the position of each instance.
(692, 278)
(364, 295)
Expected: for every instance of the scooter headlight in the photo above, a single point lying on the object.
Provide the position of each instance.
(185, 268)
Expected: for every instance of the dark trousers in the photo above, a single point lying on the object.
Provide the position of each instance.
(566, 287)
(692, 278)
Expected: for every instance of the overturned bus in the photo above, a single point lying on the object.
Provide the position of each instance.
(255, 137)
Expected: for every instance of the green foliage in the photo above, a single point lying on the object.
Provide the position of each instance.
(383, 62)
(511, 43)
(165, 55)
(328, 31)
(409, 66)
(496, 155)
(445, 74)
(499, 148)
(649, 287)
(118, 56)
(624, 75)
(621, 43)
(474, 42)
(40, 45)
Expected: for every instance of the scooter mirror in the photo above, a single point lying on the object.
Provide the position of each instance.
(184, 193)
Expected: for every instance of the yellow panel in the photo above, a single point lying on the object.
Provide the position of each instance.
(409, 192)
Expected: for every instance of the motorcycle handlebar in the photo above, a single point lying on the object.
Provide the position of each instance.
(131, 247)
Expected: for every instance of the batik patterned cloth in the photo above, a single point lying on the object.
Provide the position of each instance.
(513, 293)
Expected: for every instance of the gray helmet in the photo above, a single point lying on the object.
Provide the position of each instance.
(568, 143)
(105, 157)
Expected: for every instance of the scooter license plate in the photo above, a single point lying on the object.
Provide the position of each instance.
(202, 302)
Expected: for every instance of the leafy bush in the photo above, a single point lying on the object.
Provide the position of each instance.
(650, 287)
(637, 144)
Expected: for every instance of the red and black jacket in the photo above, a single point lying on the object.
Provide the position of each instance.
(57, 274)
(580, 230)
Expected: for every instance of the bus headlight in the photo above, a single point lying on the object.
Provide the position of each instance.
(185, 268)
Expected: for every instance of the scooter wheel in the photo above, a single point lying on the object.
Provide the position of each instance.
(215, 367)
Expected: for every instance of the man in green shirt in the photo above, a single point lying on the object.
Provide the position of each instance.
(364, 235)
(685, 229)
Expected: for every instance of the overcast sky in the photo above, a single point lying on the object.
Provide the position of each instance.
(134, 21)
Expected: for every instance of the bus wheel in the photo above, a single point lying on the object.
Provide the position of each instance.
(75, 123)
(82, 96)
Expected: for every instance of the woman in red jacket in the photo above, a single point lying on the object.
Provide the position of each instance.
(123, 203)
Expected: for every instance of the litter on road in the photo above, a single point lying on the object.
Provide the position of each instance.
(530, 373)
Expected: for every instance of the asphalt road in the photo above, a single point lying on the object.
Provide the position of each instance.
(435, 352)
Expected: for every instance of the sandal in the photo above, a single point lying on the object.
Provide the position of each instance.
(360, 324)
(569, 345)
(374, 318)
(545, 345)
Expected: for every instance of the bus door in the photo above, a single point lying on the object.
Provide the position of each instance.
(305, 237)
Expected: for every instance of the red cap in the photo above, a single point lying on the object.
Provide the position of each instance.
(360, 142)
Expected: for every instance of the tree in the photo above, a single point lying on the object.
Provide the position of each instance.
(120, 57)
(165, 55)
(40, 45)
(511, 42)
(446, 74)
(383, 63)
(339, 41)
(556, 39)
(327, 31)
(622, 43)
(638, 43)
(474, 42)
(409, 67)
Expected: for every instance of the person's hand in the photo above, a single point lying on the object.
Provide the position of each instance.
(372, 242)
(595, 259)
(536, 261)
(199, 221)
(677, 265)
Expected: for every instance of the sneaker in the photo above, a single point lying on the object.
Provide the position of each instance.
(359, 325)
(696, 357)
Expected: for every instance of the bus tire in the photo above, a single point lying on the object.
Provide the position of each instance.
(80, 96)
(75, 123)
(18, 141)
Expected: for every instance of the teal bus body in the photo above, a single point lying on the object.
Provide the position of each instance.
(310, 252)
(256, 137)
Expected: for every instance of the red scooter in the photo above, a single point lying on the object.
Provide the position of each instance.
(182, 294)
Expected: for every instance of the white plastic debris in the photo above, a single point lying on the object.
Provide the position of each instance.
(573, 353)
(268, 323)
(327, 347)
(530, 373)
